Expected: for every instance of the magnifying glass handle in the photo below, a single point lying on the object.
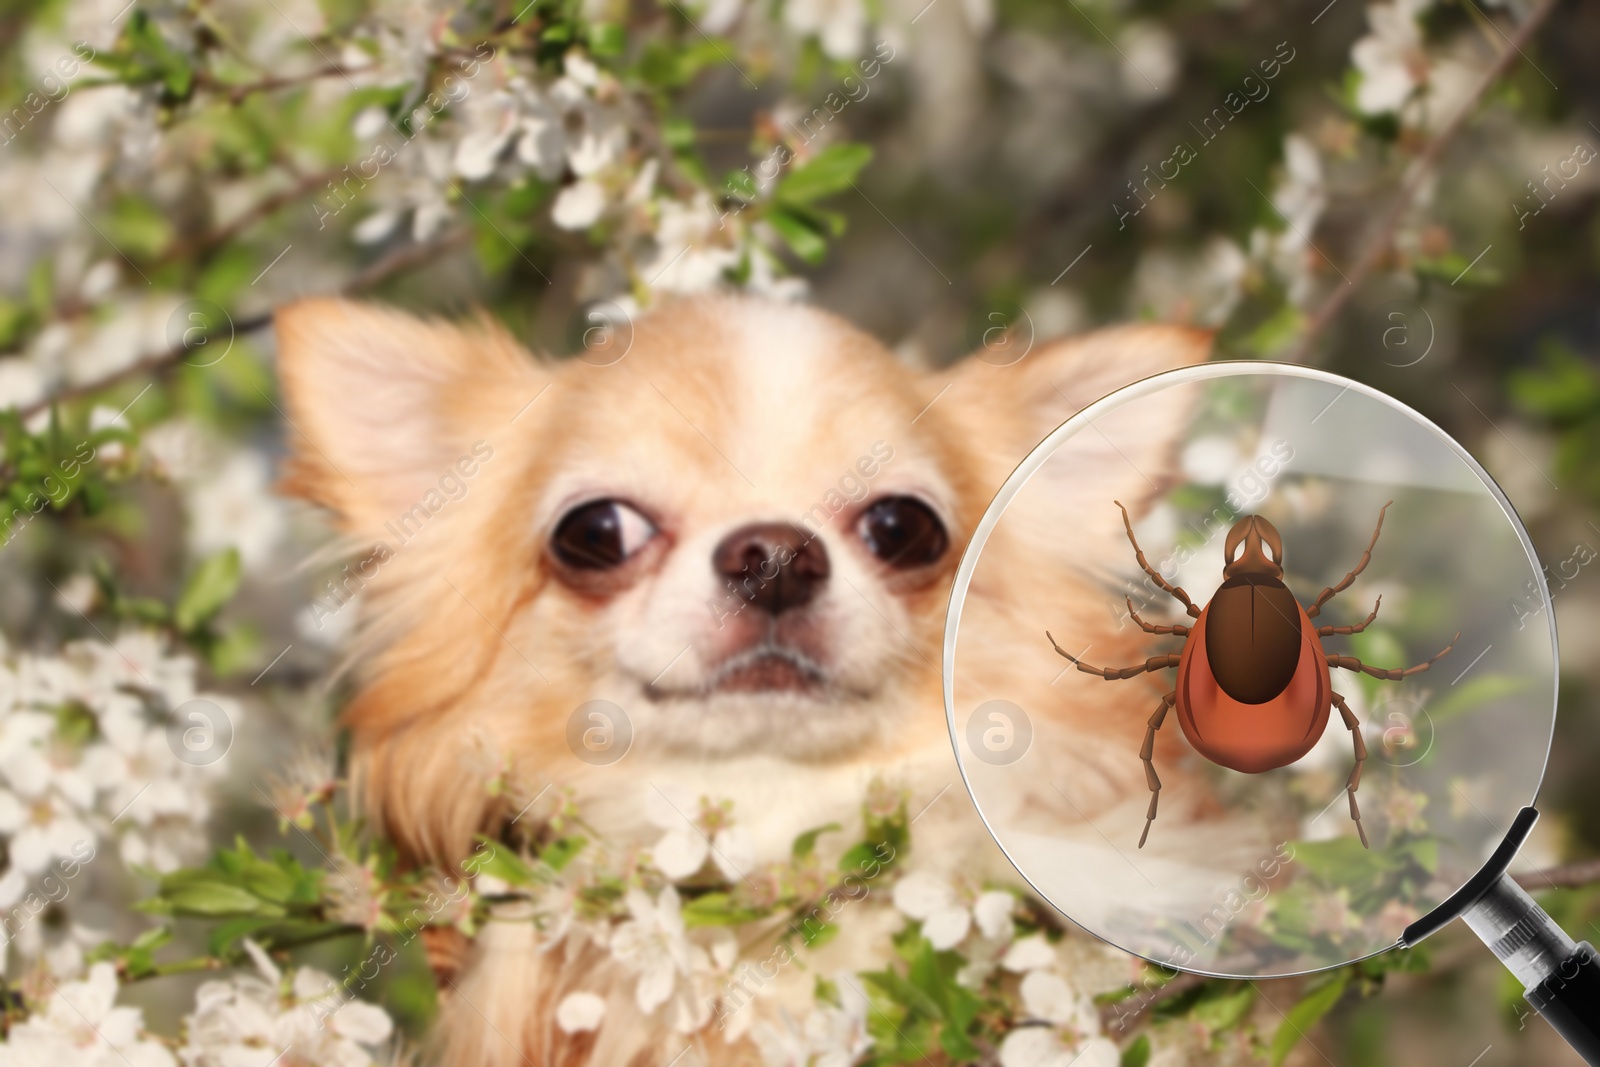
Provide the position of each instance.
(1560, 978)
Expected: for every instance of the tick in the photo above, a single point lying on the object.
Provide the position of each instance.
(1253, 691)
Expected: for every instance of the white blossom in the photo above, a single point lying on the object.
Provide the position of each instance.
(1072, 1035)
(840, 25)
(1390, 59)
(80, 1025)
(235, 508)
(1029, 954)
(1034, 1046)
(548, 129)
(945, 920)
(1151, 60)
(416, 184)
(304, 1017)
(652, 943)
(830, 1035)
(84, 757)
(683, 849)
(579, 205)
(579, 1011)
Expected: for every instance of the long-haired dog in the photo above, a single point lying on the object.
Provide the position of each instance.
(741, 534)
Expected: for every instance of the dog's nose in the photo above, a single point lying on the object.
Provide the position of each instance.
(774, 566)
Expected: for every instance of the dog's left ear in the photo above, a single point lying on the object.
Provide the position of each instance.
(1024, 400)
(381, 404)
(1048, 384)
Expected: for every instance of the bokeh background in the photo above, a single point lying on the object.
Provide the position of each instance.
(1402, 192)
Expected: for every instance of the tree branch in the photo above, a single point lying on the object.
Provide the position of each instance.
(237, 92)
(1565, 876)
(394, 263)
(269, 205)
(1416, 175)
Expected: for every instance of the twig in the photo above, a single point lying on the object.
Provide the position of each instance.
(1381, 238)
(1566, 876)
(403, 259)
(391, 264)
(222, 235)
(237, 93)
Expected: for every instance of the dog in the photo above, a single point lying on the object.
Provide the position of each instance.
(742, 535)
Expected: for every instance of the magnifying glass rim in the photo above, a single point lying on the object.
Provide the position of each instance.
(1047, 448)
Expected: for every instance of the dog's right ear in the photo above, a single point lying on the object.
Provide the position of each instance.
(381, 404)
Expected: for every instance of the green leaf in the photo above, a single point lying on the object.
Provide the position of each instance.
(213, 898)
(815, 936)
(1455, 268)
(269, 882)
(560, 852)
(1341, 861)
(806, 843)
(830, 171)
(1223, 1005)
(14, 320)
(903, 992)
(717, 909)
(1484, 689)
(505, 865)
(235, 648)
(210, 587)
(607, 38)
(799, 234)
(1305, 1014)
(142, 55)
(226, 935)
(1562, 387)
(1277, 332)
(153, 938)
(859, 858)
(1137, 1054)
(139, 227)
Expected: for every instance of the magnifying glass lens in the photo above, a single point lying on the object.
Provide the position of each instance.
(1370, 636)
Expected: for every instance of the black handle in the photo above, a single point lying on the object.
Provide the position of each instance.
(1569, 1000)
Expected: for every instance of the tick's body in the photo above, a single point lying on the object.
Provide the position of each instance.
(1254, 691)
(1244, 720)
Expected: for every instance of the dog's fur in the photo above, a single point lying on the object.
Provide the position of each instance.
(725, 411)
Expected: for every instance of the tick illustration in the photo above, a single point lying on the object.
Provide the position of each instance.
(1253, 685)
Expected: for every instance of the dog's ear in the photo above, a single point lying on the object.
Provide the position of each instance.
(1011, 407)
(1048, 384)
(381, 403)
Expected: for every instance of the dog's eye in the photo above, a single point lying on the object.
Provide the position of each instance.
(903, 532)
(600, 534)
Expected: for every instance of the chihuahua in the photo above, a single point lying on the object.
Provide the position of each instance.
(737, 539)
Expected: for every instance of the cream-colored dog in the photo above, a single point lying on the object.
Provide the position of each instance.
(741, 534)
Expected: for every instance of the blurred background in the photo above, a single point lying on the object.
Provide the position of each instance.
(1403, 192)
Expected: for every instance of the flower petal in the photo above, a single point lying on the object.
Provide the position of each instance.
(1029, 953)
(579, 205)
(579, 1011)
(920, 894)
(993, 913)
(948, 928)
(679, 853)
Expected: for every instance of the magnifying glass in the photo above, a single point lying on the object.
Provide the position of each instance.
(1251, 672)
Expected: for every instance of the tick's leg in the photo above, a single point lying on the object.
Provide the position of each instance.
(1147, 753)
(1366, 558)
(1154, 663)
(1393, 674)
(1327, 631)
(1155, 576)
(1152, 628)
(1354, 783)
